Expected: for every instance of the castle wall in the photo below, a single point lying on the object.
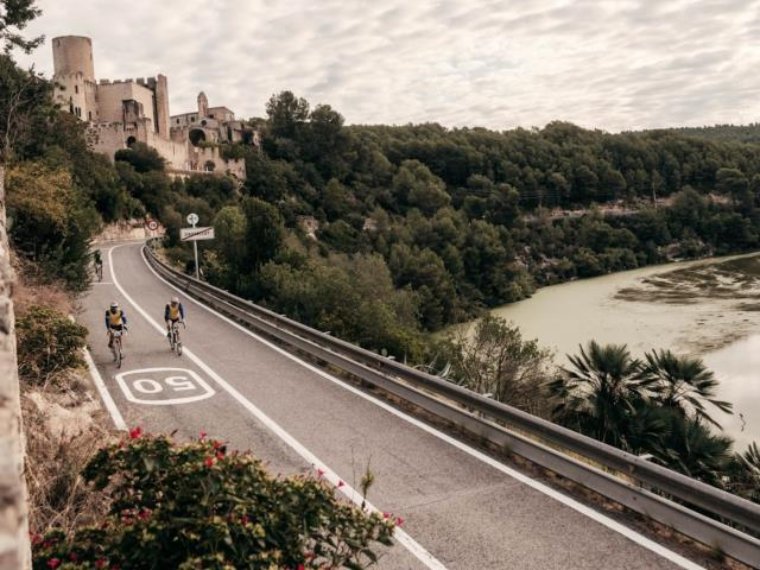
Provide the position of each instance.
(76, 94)
(221, 114)
(111, 96)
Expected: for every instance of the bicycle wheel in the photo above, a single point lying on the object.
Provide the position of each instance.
(179, 348)
(117, 344)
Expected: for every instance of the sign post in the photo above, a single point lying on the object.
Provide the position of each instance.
(192, 219)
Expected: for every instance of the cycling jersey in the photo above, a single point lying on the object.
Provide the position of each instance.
(174, 313)
(115, 319)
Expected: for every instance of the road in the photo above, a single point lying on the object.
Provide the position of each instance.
(463, 509)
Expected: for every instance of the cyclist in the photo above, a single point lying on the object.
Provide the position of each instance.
(173, 312)
(116, 320)
(98, 261)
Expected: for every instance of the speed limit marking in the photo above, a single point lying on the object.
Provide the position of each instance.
(163, 386)
(153, 225)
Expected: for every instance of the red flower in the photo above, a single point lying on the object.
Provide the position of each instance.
(101, 563)
(320, 472)
(202, 435)
(208, 462)
(135, 433)
(36, 539)
(144, 514)
(300, 567)
(53, 563)
(399, 521)
(244, 519)
(387, 515)
(340, 484)
(219, 455)
(73, 557)
(217, 444)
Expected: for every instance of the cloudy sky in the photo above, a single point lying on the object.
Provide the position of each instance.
(615, 65)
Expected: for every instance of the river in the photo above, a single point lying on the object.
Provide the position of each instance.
(707, 308)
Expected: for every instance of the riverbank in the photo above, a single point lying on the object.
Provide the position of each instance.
(701, 308)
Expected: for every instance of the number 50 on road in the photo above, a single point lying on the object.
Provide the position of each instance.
(163, 386)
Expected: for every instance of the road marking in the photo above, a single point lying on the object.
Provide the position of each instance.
(97, 379)
(155, 381)
(541, 487)
(402, 536)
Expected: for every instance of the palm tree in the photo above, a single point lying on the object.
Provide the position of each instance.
(601, 393)
(689, 446)
(684, 384)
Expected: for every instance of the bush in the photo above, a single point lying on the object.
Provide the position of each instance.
(196, 506)
(48, 343)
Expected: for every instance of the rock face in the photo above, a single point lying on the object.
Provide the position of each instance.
(14, 535)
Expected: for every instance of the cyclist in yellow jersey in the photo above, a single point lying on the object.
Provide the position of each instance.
(116, 320)
(173, 312)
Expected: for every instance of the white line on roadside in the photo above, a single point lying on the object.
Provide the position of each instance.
(537, 485)
(110, 405)
(402, 536)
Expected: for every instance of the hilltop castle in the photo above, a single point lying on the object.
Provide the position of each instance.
(120, 113)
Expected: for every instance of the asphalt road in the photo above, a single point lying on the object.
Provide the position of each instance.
(462, 509)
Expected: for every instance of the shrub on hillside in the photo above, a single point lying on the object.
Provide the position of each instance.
(196, 506)
(48, 343)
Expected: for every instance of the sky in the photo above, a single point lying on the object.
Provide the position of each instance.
(613, 65)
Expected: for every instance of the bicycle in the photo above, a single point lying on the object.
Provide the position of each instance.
(116, 346)
(175, 342)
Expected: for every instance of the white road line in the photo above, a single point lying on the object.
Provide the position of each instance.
(537, 485)
(118, 419)
(402, 536)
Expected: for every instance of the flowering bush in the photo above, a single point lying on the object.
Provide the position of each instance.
(197, 506)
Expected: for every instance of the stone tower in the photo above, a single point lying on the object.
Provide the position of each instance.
(202, 105)
(74, 72)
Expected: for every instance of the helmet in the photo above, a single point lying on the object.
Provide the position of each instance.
(114, 305)
(175, 300)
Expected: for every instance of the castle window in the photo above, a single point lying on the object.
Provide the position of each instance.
(76, 88)
(211, 116)
(89, 115)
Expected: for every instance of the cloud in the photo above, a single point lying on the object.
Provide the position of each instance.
(610, 64)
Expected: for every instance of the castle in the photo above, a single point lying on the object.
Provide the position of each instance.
(120, 113)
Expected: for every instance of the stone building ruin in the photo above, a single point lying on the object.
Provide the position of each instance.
(122, 112)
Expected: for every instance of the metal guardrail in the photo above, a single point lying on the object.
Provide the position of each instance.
(622, 477)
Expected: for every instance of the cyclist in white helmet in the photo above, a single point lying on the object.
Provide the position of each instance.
(173, 312)
(116, 320)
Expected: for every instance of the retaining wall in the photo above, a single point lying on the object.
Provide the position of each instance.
(14, 536)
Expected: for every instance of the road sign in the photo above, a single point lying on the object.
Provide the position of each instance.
(153, 225)
(163, 386)
(195, 234)
(192, 219)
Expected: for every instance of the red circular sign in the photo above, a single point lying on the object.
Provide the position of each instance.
(153, 225)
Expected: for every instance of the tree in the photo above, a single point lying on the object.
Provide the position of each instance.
(264, 232)
(142, 157)
(600, 393)
(14, 16)
(286, 112)
(416, 186)
(495, 359)
(51, 222)
(684, 384)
